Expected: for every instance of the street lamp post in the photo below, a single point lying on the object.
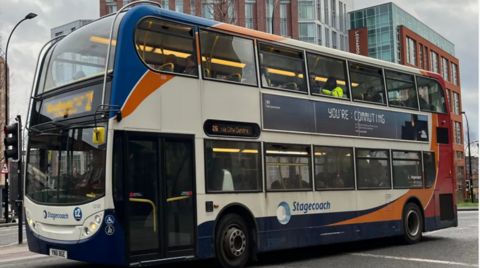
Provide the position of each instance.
(28, 17)
(469, 159)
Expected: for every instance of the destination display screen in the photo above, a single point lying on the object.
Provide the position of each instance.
(228, 128)
(70, 104)
(292, 114)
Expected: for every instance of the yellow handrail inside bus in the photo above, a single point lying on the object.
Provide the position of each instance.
(154, 210)
(146, 37)
(177, 198)
(209, 60)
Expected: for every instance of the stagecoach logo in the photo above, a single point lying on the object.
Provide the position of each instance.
(77, 214)
(54, 216)
(283, 213)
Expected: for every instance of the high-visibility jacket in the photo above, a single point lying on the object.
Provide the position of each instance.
(337, 92)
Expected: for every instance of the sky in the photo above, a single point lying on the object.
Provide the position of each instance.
(456, 22)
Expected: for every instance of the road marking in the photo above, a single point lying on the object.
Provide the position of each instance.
(415, 259)
(24, 258)
(10, 234)
(447, 229)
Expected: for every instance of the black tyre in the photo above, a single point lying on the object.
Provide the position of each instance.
(412, 221)
(232, 242)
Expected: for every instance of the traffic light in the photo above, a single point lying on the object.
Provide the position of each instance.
(467, 185)
(14, 141)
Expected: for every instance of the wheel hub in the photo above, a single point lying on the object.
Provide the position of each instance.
(413, 223)
(235, 242)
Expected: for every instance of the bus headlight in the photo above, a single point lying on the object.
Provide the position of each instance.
(91, 225)
(30, 220)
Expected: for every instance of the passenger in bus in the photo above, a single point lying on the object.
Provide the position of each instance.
(190, 67)
(373, 95)
(173, 60)
(412, 99)
(314, 84)
(265, 74)
(330, 88)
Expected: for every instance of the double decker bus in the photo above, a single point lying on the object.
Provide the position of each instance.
(156, 136)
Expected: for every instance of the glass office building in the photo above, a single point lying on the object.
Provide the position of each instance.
(382, 22)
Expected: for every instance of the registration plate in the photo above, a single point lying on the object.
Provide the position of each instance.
(58, 253)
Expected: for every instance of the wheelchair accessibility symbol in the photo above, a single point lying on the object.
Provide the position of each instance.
(109, 220)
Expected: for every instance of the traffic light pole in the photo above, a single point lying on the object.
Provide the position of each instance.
(20, 182)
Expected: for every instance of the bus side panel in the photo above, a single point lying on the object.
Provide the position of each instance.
(100, 248)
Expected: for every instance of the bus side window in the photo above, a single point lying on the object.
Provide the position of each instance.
(367, 82)
(282, 68)
(327, 76)
(228, 57)
(166, 46)
(431, 95)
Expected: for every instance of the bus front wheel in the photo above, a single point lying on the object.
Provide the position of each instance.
(232, 242)
(412, 221)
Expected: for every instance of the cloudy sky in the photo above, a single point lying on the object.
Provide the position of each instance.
(455, 20)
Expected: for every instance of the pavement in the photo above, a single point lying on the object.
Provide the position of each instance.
(446, 248)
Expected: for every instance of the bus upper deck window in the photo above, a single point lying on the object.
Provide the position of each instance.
(327, 76)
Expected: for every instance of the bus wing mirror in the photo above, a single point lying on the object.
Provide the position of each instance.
(98, 135)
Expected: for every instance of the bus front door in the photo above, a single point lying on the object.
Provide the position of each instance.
(161, 196)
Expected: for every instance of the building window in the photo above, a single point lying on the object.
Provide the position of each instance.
(445, 69)
(340, 12)
(326, 74)
(282, 68)
(342, 48)
(207, 11)
(430, 95)
(449, 103)
(334, 14)
(72, 29)
(319, 35)
(325, 3)
(334, 168)
(307, 32)
(306, 10)
(401, 90)
(327, 37)
(179, 6)
(411, 52)
(426, 58)
(126, 2)
(287, 167)
(59, 33)
(458, 133)
(345, 17)
(112, 8)
(429, 168)
(373, 169)
(228, 63)
(407, 170)
(454, 71)
(434, 62)
(367, 83)
(283, 20)
(334, 39)
(459, 155)
(193, 7)
(249, 15)
(166, 4)
(269, 10)
(420, 56)
(232, 166)
(456, 103)
(346, 44)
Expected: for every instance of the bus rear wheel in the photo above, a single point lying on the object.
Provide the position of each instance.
(412, 221)
(232, 242)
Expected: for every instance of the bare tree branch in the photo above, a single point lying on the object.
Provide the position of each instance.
(221, 10)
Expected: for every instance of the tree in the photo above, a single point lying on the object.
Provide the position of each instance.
(220, 10)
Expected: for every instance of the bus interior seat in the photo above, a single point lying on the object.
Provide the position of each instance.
(227, 181)
(291, 85)
(358, 96)
(234, 77)
(169, 67)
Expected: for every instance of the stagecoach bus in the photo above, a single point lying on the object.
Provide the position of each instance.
(156, 136)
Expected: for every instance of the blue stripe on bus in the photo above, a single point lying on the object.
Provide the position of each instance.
(129, 68)
(99, 248)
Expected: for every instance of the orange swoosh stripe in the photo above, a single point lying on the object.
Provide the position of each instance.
(150, 82)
